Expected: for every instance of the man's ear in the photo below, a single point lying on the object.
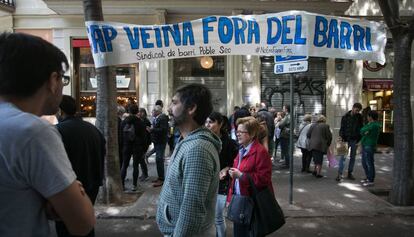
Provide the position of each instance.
(192, 110)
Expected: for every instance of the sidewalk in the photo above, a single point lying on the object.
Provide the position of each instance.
(312, 197)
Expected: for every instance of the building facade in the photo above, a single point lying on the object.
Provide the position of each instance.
(330, 86)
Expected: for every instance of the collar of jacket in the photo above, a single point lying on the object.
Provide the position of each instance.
(253, 148)
(70, 117)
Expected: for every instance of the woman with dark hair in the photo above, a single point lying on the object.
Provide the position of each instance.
(252, 160)
(216, 122)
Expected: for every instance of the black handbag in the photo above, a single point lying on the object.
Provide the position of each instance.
(268, 216)
(240, 210)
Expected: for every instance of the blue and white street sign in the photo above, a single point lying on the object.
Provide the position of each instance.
(291, 67)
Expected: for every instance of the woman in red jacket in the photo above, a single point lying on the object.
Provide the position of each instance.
(254, 160)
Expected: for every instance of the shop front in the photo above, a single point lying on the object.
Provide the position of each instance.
(209, 71)
(85, 82)
(378, 95)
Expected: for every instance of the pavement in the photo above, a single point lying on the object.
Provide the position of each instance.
(312, 197)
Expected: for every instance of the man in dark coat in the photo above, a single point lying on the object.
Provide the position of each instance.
(159, 134)
(85, 146)
(351, 124)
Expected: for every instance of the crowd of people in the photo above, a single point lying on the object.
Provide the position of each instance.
(54, 172)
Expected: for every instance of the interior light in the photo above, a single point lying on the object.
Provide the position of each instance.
(206, 62)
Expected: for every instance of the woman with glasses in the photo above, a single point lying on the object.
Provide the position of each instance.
(217, 123)
(252, 160)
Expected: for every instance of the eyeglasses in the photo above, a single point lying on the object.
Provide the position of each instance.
(238, 132)
(65, 79)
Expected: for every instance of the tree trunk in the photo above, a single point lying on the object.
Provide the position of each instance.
(402, 182)
(106, 115)
(402, 189)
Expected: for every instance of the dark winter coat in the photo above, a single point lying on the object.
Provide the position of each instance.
(85, 146)
(351, 126)
(320, 137)
(160, 129)
(140, 134)
(229, 149)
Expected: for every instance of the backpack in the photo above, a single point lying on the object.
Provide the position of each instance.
(129, 132)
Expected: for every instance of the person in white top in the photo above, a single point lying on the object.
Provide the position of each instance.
(303, 142)
(36, 179)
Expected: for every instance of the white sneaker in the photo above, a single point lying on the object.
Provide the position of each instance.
(363, 181)
(368, 184)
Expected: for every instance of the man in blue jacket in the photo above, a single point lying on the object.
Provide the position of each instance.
(187, 201)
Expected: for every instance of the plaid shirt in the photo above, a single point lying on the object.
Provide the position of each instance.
(187, 201)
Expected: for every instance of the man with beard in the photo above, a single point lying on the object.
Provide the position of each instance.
(36, 178)
(187, 201)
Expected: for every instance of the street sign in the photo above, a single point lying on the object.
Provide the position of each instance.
(291, 67)
(280, 59)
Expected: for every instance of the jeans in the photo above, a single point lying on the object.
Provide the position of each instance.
(353, 145)
(277, 143)
(220, 222)
(284, 145)
(138, 158)
(159, 159)
(368, 162)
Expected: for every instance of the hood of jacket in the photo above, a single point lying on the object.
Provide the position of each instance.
(205, 134)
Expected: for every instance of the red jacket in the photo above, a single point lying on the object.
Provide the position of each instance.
(258, 165)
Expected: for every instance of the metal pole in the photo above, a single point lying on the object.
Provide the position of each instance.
(292, 113)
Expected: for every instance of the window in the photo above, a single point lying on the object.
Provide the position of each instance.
(87, 84)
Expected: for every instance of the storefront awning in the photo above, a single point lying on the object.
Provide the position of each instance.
(378, 84)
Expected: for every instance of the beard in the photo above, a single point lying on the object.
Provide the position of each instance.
(51, 106)
(179, 119)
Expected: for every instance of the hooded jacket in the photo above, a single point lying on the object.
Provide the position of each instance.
(188, 197)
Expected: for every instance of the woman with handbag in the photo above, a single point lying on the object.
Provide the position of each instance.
(217, 123)
(252, 161)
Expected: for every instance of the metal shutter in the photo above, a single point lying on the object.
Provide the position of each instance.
(309, 87)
